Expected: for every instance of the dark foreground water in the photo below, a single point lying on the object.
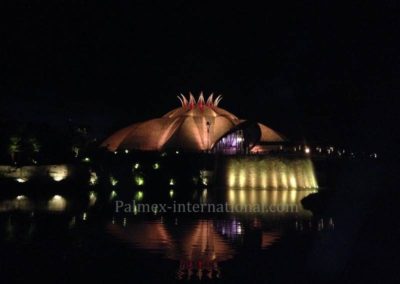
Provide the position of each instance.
(59, 239)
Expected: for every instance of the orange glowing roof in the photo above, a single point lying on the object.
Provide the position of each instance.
(195, 126)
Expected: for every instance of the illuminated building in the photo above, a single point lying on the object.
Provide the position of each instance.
(195, 126)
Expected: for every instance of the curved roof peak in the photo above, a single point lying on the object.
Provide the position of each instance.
(201, 102)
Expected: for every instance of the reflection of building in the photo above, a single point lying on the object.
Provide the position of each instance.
(199, 249)
(196, 126)
(199, 246)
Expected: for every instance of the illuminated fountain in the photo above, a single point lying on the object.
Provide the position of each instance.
(261, 172)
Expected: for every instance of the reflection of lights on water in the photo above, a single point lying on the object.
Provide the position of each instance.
(72, 222)
(93, 178)
(58, 173)
(242, 196)
(231, 196)
(92, 198)
(113, 181)
(204, 194)
(21, 180)
(285, 201)
(171, 193)
(22, 202)
(139, 195)
(21, 197)
(293, 195)
(239, 229)
(124, 222)
(84, 216)
(252, 196)
(113, 194)
(263, 196)
(274, 197)
(242, 177)
(284, 197)
(57, 203)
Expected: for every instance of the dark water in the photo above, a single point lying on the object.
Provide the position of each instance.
(67, 239)
(63, 239)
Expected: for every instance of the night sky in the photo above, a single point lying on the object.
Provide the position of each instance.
(313, 71)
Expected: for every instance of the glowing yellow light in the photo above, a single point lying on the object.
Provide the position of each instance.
(136, 166)
(264, 180)
(171, 193)
(21, 180)
(284, 195)
(84, 216)
(264, 196)
(253, 196)
(274, 179)
(93, 178)
(253, 177)
(307, 150)
(86, 159)
(58, 173)
(274, 197)
(171, 181)
(292, 180)
(156, 166)
(293, 196)
(271, 173)
(21, 197)
(92, 198)
(57, 203)
(113, 181)
(284, 180)
(242, 196)
(139, 180)
(113, 194)
(242, 178)
(139, 195)
(126, 151)
(231, 196)
(231, 178)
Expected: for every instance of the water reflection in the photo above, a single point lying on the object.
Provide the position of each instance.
(200, 246)
(56, 203)
(268, 201)
(197, 246)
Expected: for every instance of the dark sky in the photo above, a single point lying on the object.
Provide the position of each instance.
(316, 71)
